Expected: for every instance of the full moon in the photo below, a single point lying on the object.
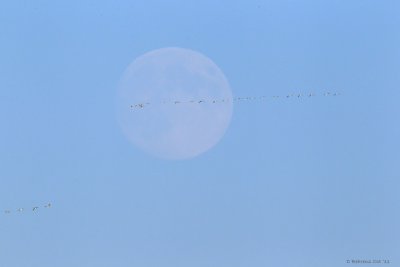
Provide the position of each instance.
(179, 112)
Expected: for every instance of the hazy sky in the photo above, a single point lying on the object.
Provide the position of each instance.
(310, 182)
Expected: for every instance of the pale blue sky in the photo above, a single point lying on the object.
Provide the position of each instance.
(292, 183)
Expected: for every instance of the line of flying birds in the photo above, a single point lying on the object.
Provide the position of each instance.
(235, 99)
(34, 209)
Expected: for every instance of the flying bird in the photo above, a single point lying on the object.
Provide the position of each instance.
(34, 208)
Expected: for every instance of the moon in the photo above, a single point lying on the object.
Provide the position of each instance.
(162, 127)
